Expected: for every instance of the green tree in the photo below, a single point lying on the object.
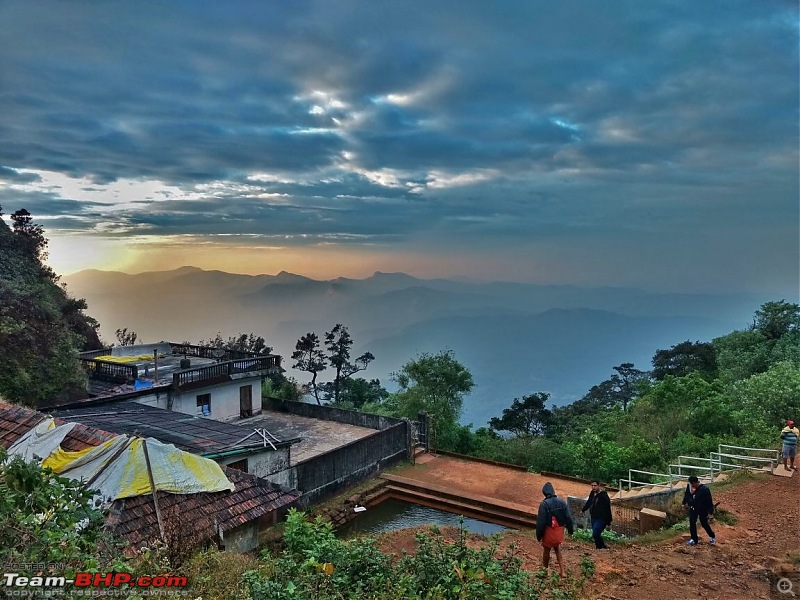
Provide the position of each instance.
(309, 357)
(338, 343)
(526, 417)
(685, 358)
(41, 327)
(770, 397)
(774, 320)
(436, 384)
(358, 392)
(627, 383)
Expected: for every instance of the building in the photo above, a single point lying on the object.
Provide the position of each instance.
(252, 450)
(229, 519)
(216, 383)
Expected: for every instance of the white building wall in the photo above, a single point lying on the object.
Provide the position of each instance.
(263, 463)
(224, 399)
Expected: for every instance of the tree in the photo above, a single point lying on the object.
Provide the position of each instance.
(308, 357)
(41, 327)
(626, 383)
(33, 239)
(338, 343)
(125, 337)
(243, 342)
(358, 392)
(436, 384)
(526, 417)
(777, 319)
(684, 358)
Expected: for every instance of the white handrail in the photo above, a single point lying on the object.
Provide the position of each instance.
(741, 457)
(768, 450)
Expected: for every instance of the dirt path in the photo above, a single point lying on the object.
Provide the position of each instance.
(764, 540)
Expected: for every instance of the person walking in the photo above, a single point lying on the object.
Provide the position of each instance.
(599, 506)
(551, 520)
(789, 435)
(701, 505)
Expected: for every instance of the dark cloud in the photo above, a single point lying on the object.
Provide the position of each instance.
(399, 119)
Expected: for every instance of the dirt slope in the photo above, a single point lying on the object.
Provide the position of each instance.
(765, 540)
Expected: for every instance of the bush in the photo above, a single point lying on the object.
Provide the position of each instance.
(315, 565)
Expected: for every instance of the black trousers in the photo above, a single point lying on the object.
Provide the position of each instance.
(693, 516)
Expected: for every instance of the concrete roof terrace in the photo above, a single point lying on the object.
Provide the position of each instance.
(316, 436)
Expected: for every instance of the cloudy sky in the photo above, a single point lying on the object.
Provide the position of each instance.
(650, 144)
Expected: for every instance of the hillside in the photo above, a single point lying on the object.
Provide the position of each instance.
(41, 326)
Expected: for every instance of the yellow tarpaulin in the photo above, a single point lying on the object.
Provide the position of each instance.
(118, 468)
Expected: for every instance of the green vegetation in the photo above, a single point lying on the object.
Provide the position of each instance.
(45, 518)
(41, 327)
(737, 389)
(311, 358)
(316, 564)
(585, 535)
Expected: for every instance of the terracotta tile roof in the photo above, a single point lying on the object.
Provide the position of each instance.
(134, 519)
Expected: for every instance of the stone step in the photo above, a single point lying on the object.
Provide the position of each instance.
(484, 507)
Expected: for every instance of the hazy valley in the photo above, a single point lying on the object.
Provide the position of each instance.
(515, 338)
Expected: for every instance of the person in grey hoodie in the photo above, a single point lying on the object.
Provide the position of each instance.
(552, 506)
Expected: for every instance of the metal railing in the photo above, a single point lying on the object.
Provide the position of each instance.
(224, 369)
(111, 371)
(716, 463)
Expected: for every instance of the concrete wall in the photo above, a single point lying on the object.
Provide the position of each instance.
(242, 539)
(329, 413)
(327, 474)
(656, 500)
(264, 464)
(224, 399)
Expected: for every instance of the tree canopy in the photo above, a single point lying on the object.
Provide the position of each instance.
(42, 329)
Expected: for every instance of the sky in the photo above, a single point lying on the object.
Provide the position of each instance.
(625, 143)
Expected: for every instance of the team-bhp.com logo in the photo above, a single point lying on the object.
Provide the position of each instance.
(16, 581)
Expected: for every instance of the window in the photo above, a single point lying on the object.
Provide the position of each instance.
(245, 401)
(239, 465)
(204, 404)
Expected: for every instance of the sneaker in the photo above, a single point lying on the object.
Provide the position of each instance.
(691, 543)
(712, 541)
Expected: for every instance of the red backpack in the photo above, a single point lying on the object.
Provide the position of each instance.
(553, 534)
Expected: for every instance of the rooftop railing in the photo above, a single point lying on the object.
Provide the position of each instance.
(219, 370)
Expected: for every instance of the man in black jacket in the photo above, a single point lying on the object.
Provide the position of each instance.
(552, 506)
(698, 498)
(599, 506)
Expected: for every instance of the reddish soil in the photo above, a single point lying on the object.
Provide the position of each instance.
(764, 540)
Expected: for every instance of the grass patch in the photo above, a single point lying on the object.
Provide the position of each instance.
(793, 557)
(734, 478)
(585, 535)
(725, 517)
(659, 535)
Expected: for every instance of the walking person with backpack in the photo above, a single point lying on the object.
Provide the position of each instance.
(551, 521)
(599, 506)
(701, 505)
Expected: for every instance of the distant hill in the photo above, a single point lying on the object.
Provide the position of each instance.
(516, 338)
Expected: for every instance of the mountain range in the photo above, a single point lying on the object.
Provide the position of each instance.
(515, 338)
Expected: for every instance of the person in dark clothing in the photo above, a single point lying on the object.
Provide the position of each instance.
(701, 505)
(599, 506)
(550, 537)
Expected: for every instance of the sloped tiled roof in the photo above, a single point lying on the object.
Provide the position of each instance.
(187, 432)
(134, 519)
